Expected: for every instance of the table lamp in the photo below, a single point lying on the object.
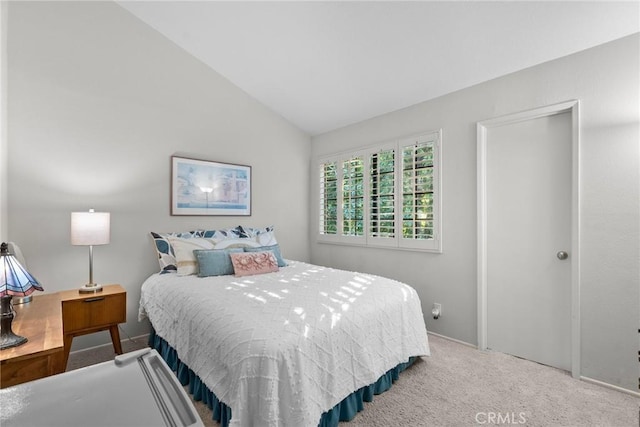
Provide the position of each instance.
(90, 229)
(17, 253)
(14, 280)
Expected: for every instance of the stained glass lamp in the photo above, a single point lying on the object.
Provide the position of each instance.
(14, 280)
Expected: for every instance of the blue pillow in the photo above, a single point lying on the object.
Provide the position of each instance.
(274, 248)
(215, 262)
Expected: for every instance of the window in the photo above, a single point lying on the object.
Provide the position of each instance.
(329, 198)
(387, 195)
(382, 194)
(353, 197)
(418, 190)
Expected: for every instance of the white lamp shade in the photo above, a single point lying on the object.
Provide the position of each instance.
(90, 228)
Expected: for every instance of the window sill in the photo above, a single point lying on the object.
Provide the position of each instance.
(373, 246)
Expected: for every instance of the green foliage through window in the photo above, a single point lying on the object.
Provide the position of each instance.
(382, 194)
(353, 197)
(417, 191)
(328, 198)
(387, 196)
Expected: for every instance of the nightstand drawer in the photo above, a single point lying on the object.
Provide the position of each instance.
(93, 311)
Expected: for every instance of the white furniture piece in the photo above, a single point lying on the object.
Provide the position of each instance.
(135, 389)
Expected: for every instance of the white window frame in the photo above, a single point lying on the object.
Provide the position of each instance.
(396, 242)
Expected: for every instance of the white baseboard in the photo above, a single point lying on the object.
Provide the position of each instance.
(109, 344)
(452, 339)
(610, 386)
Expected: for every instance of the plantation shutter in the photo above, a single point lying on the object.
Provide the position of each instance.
(328, 198)
(418, 188)
(353, 197)
(382, 200)
(387, 195)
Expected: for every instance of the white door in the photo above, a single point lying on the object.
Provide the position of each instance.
(528, 225)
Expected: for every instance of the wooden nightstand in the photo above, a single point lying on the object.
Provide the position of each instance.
(40, 321)
(88, 313)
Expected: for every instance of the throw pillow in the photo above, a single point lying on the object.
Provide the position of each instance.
(250, 263)
(215, 262)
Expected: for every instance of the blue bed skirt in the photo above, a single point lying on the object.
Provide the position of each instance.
(343, 411)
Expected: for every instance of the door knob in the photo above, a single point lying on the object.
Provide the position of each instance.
(562, 255)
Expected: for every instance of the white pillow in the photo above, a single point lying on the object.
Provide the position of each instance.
(185, 259)
(267, 239)
(237, 243)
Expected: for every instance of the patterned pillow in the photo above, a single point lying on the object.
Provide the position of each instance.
(234, 237)
(183, 250)
(164, 251)
(275, 249)
(218, 235)
(265, 236)
(250, 263)
(215, 262)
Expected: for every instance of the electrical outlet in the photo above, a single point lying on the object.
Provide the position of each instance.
(437, 310)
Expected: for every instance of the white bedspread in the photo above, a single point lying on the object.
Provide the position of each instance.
(282, 348)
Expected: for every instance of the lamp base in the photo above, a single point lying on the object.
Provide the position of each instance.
(10, 339)
(22, 300)
(90, 288)
(7, 337)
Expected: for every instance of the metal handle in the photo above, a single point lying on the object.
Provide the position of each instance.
(93, 299)
(562, 255)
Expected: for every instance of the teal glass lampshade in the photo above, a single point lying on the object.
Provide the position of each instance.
(14, 281)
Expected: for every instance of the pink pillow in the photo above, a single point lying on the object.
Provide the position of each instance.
(250, 263)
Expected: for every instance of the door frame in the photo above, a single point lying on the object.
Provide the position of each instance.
(571, 107)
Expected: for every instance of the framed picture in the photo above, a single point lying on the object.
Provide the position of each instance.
(201, 187)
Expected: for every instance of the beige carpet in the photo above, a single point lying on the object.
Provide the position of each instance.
(461, 386)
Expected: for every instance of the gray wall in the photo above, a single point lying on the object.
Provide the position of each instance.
(98, 102)
(3, 119)
(605, 80)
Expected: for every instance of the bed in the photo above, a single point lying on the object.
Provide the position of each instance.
(298, 345)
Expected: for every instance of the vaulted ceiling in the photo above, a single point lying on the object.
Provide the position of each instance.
(324, 65)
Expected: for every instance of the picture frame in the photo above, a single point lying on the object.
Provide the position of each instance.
(203, 187)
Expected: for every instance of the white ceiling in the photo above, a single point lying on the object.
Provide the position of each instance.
(324, 65)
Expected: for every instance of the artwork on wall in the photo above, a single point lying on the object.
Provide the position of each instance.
(201, 187)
